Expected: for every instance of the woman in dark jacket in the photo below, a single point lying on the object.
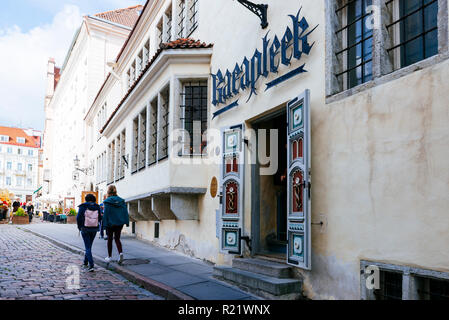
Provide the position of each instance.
(115, 216)
(88, 220)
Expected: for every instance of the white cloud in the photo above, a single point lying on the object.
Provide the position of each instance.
(23, 63)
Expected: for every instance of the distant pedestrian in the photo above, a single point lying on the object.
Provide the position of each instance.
(88, 220)
(101, 224)
(30, 211)
(114, 218)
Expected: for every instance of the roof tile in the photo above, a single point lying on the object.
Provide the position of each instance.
(126, 17)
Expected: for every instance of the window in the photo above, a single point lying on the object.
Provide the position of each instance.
(21, 140)
(356, 43)
(30, 153)
(118, 158)
(390, 286)
(19, 151)
(19, 167)
(432, 289)
(139, 141)
(8, 181)
(9, 165)
(4, 138)
(9, 150)
(182, 18)
(193, 16)
(30, 167)
(194, 116)
(29, 182)
(110, 175)
(19, 181)
(414, 31)
(123, 154)
(168, 24)
(153, 124)
(164, 102)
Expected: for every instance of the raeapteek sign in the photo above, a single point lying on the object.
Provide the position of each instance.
(245, 76)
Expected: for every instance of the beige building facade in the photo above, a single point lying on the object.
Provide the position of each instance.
(325, 132)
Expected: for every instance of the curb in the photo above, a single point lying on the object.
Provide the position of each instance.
(151, 285)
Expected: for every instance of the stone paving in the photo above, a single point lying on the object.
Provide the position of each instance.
(32, 268)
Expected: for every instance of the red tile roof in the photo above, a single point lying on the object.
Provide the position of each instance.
(182, 43)
(14, 133)
(126, 17)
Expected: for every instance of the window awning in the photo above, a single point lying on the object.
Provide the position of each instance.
(37, 190)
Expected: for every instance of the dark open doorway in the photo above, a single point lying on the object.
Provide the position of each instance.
(270, 193)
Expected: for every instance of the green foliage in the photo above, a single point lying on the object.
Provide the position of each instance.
(72, 212)
(20, 213)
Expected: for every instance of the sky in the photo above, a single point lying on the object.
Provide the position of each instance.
(31, 31)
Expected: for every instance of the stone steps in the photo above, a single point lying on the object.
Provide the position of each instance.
(263, 278)
(265, 267)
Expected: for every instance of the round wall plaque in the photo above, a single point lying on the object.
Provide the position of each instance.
(214, 187)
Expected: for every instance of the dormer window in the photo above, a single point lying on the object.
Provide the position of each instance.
(4, 138)
(21, 140)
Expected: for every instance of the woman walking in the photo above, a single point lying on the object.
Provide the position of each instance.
(114, 218)
(88, 220)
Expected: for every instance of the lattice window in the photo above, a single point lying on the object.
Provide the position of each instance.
(142, 139)
(135, 153)
(432, 289)
(356, 40)
(194, 116)
(414, 30)
(152, 154)
(182, 18)
(193, 16)
(164, 103)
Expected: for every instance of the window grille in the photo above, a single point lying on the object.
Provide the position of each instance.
(194, 116)
(135, 155)
(193, 21)
(181, 18)
(356, 41)
(142, 139)
(153, 132)
(122, 154)
(390, 286)
(165, 111)
(168, 25)
(433, 289)
(415, 30)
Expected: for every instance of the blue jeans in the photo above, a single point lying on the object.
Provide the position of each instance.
(101, 229)
(88, 237)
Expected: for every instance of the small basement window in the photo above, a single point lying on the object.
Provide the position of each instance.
(390, 286)
(156, 230)
(432, 289)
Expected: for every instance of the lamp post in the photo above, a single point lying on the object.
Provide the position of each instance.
(87, 171)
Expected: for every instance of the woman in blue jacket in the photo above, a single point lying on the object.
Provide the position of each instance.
(115, 216)
(88, 220)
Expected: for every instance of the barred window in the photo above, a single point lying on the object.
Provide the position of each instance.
(432, 289)
(194, 116)
(117, 155)
(153, 123)
(164, 103)
(390, 286)
(168, 24)
(414, 30)
(135, 154)
(142, 139)
(181, 18)
(193, 16)
(356, 38)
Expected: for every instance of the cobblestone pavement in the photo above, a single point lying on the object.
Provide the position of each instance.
(32, 268)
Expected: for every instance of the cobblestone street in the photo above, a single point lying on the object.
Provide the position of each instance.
(32, 268)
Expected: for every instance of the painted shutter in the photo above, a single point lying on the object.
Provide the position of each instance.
(299, 183)
(231, 184)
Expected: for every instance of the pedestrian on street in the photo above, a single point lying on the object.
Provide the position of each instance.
(30, 211)
(114, 218)
(88, 220)
(101, 224)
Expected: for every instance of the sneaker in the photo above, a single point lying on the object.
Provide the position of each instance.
(108, 259)
(91, 269)
(120, 259)
(85, 265)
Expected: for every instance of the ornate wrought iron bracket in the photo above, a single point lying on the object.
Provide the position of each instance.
(259, 10)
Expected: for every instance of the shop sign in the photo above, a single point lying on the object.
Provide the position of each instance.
(245, 76)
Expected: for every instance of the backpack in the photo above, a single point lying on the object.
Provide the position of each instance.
(91, 218)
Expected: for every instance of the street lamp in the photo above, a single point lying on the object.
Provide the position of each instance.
(87, 171)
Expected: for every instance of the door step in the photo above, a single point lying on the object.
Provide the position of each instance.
(263, 278)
